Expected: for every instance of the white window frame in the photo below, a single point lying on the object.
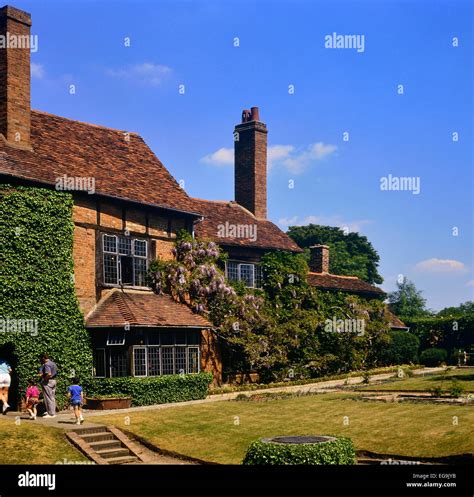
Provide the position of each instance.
(118, 256)
(188, 347)
(122, 343)
(239, 265)
(148, 347)
(135, 347)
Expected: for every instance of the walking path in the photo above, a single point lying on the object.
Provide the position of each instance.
(66, 420)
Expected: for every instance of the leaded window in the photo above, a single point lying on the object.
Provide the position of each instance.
(250, 274)
(125, 260)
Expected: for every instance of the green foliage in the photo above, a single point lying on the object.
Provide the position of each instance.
(151, 390)
(433, 357)
(36, 283)
(446, 333)
(436, 391)
(407, 302)
(456, 389)
(339, 451)
(351, 254)
(403, 348)
(461, 310)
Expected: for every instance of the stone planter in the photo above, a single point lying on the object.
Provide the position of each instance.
(104, 403)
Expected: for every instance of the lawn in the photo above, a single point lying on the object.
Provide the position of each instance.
(222, 431)
(465, 377)
(28, 443)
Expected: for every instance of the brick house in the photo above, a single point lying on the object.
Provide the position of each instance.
(127, 217)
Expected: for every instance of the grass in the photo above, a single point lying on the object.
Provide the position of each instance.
(424, 383)
(28, 443)
(222, 431)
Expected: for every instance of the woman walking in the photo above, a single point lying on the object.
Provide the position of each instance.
(5, 381)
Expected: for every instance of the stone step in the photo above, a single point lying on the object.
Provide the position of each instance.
(87, 431)
(113, 453)
(106, 444)
(98, 437)
(122, 460)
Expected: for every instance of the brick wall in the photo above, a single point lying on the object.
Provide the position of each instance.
(15, 79)
(319, 259)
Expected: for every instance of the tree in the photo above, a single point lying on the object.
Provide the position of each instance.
(351, 254)
(407, 302)
(460, 310)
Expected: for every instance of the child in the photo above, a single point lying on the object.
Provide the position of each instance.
(76, 396)
(32, 398)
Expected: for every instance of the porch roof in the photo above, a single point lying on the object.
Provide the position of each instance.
(142, 309)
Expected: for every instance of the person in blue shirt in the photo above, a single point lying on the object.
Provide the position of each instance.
(76, 398)
(5, 380)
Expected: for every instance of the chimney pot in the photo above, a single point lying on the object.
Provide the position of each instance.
(254, 114)
(319, 259)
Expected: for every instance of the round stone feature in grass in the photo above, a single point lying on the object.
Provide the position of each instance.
(309, 449)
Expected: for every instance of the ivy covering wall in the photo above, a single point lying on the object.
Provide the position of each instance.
(36, 284)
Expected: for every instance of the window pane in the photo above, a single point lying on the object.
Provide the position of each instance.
(153, 361)
(140, 248)
(139, 361)
(99, 362)
(125, 245)
(246, 274)
(232, 271)
(193, 360)
(180, 354)
(116, 337)
(126, 270)
(110, 269)
(167, 360)
(140, 272)
(110, 243)
(118, 362)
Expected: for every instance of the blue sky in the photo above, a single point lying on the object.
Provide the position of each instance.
(282, 43)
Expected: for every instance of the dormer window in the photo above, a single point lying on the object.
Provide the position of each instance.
(125, 260)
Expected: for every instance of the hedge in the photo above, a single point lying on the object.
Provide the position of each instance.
(433, 357)
(152, 390)
(37, 284)
(339, 451)
(403, 348)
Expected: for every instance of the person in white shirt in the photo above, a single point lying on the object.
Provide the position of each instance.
(5, 381)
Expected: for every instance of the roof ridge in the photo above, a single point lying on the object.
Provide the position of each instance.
(107, 128)
(338, 276)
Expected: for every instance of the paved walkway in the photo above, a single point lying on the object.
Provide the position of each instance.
(66, 420)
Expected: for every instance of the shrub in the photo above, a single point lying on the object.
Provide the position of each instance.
(433, 357)
(436, 391)
(338, 451)
(403, 348)
(152, 390)
(456, 389)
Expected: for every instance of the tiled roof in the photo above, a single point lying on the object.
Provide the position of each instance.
(335, 282)
(123, 169)
(395, 321)
(135, 308)
(216, 213)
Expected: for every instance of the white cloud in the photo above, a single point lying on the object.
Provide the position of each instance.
(435, 265)
(295, 161)
(351, 226)
(146, 73)
(470, 283)
(221, 157)
(37, 70)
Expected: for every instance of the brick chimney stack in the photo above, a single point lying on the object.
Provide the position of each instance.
(15, 76)
(250, 152)
(319, 259)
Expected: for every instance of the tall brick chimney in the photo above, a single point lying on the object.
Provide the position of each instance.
(319, 259)
(250, 149)
(15, 76)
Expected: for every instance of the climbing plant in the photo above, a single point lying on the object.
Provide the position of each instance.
(38, 307)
